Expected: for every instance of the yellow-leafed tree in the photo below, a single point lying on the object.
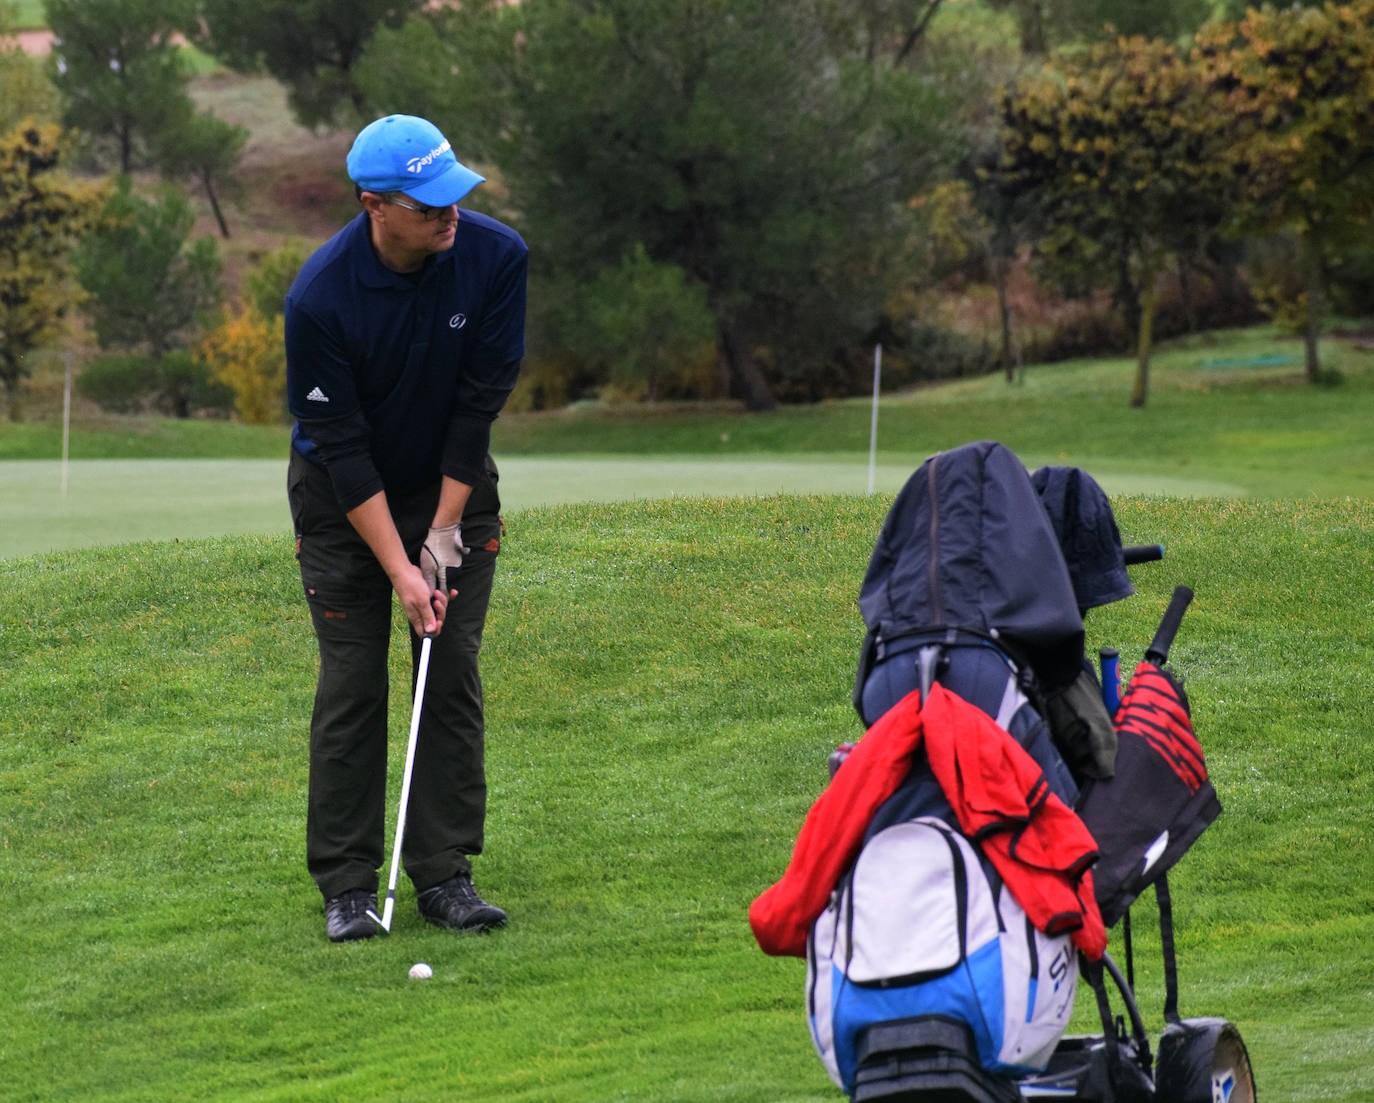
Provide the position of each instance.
(247, 355)
(1119, 149)
(43, 213)
(1297, 84)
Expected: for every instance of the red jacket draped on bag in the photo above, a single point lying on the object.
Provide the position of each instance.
(1037, 844)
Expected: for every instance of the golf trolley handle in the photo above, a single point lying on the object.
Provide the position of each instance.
(1158, 651)
(1142, 553)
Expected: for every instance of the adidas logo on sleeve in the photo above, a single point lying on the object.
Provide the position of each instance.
(317, 395)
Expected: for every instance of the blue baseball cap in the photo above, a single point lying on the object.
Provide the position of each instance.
(408, 154)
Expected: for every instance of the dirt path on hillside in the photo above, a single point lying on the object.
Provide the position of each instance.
(33, 43)
(39, 43)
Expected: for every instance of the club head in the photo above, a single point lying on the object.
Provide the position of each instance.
(383, 920)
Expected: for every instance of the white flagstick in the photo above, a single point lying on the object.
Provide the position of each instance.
(873, 429)
(66, 419)
(384, 920)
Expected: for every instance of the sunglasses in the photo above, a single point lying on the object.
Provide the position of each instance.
(429, 214)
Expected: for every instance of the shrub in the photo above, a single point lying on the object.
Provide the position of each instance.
(119, 384)
(637, 330)
(1275, 268)
(187, 388)
(245, 354)
(267, 284)
(176, 384)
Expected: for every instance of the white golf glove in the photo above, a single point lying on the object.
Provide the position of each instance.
(443, 552)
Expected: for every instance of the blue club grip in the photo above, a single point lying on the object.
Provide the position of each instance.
(1109, 661)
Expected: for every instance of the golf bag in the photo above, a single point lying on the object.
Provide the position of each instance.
(969, 588)
(970, 608)
(937, 970)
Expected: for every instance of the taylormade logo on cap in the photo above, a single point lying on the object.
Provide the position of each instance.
(404, 153)
(417, 164)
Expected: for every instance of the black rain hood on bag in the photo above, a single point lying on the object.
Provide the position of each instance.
(1082, 519)
(968, 544)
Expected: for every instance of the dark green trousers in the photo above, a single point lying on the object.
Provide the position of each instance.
(351, 606)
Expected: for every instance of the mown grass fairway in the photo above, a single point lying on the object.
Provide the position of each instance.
(664, 681)
(119, 501)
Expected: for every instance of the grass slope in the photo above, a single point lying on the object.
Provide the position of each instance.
(1257, 431)
(1260, 429)
(1239, 432)
(664, 680)
(112, 502)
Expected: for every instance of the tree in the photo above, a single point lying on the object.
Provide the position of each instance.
(310, 46)
(271, 278)
(1298, 84)
(246, 353)
(206, 148)
(1170, 20)
(150, 288)
(1043, 25)
(641, 323)
(43, 214)
(1117, 145)
(765, 148)
(1008, 219)
(116, 64)
(25, 90)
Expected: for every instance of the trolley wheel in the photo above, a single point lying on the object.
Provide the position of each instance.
(1203, 1061)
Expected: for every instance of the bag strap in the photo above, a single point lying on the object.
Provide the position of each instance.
(1116, 1030)
(868, 653)
(1129, 944)
(928, 658)
(1092, 970)
(1166, 940)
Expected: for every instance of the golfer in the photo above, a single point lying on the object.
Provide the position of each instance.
(404, 335)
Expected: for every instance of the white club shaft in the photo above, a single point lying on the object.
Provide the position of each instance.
(405, 782)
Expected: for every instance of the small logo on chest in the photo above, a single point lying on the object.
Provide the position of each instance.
(458, 321)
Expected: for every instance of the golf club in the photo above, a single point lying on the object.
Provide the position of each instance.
(384, 920)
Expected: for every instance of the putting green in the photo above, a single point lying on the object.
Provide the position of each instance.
(123, 501)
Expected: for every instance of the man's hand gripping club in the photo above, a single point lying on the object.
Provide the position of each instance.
(423, 604)
(441, 557)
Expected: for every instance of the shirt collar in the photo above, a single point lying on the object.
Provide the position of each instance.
(371, 271)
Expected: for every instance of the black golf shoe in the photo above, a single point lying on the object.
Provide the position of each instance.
(455, 904)
(346, 918)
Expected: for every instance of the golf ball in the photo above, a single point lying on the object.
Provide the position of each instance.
(421, 971)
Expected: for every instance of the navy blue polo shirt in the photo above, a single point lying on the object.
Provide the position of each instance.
(395, 379)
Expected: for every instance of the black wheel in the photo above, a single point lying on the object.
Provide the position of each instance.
(1203, 1061)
